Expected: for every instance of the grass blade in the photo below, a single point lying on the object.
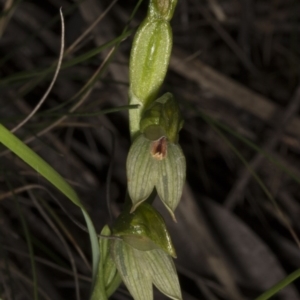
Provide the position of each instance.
(43, 168)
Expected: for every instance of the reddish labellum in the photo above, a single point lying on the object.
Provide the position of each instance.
(159, 148)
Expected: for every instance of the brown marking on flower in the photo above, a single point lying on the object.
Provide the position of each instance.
(159, 148)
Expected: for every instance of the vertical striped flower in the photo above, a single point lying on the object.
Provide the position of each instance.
(155, 159)
(143, 253)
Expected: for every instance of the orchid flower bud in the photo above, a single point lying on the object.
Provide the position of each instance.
(144, 229)
(150, 56)
(164, 116)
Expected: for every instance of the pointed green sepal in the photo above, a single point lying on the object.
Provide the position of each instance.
(140, 269)
(171, 173)
(139, 168)
(163, 273)
(135, 277)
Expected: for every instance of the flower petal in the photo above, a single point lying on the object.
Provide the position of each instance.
(129, 262)
(170, 177)
(163, 272)
(139, 171)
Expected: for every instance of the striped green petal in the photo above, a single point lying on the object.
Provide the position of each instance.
(140, 171)
(140, 269)
(170, 177)
(129, 264)
(163, 273)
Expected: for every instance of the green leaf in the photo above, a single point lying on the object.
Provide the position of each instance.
(43, 168)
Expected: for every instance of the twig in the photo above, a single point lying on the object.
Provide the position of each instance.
(8, 9)
(61, 53)
(217, 10)
(86, 90)
(89, 29)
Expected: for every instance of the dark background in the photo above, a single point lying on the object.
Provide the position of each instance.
(235, 72)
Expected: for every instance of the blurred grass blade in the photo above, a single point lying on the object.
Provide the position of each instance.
(279, 286)
(21, 76)
(251, 145)
(43, 168)
(28, 239)
(32, 36)
(257, 179)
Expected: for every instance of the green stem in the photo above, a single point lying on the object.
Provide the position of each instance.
(134, 116)
(279, 286)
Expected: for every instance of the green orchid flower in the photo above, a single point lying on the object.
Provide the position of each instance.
(155, 159)
(143, 253)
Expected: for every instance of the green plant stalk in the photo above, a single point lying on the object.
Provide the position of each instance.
(279, 286)
(99, 288)
(149, 61)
